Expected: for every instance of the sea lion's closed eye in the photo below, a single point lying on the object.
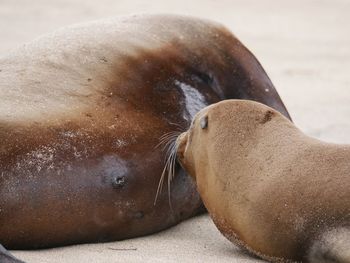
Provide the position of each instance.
(204, 122)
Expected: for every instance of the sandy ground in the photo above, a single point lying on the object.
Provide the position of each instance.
(304, 45)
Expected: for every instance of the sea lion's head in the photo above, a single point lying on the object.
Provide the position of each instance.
(219, 128)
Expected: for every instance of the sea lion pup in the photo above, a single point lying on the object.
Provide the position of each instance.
(267, 186)
(81, 111)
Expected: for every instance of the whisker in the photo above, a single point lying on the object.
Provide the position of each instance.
(163, 140)
(166, 137)
(168, 141)
(171, 172)
(174, 160)
(181, 128)
(171, 132)
(166, 168)
(160, 184)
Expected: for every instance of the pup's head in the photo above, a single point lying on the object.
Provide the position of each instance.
(220, 132)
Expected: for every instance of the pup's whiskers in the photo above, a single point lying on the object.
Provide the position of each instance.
(168, 143)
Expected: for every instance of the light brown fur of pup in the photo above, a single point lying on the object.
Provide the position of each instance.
(267, 186)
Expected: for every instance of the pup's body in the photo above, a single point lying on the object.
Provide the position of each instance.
(268, 187)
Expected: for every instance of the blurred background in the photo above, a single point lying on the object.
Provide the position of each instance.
(304, 45)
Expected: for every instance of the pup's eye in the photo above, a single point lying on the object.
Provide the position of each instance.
(204, 122)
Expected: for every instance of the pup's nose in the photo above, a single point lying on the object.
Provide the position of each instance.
(181, 145)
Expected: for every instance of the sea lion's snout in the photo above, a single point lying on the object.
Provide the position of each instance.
(181, 144)
(184, 156)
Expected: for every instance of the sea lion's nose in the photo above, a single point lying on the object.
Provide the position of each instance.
(181, 143)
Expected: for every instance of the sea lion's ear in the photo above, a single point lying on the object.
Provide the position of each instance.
(204, 122)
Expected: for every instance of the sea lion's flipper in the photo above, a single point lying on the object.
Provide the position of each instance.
(332, 247)
(6, 257)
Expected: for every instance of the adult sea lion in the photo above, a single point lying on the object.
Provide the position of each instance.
(268, 187)
(81, 111)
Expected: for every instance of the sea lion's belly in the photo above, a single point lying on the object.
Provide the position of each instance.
(83, 182)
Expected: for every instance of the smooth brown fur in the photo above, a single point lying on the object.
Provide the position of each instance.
(267, 186)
